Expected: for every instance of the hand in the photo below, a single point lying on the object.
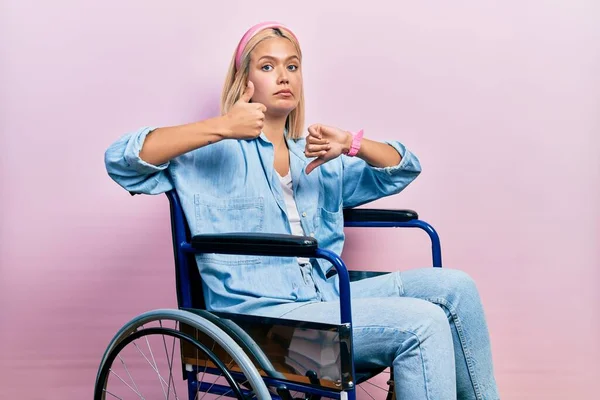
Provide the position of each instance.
(246, 120)
(325, 143)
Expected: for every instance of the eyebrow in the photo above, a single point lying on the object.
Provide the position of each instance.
(273, 58)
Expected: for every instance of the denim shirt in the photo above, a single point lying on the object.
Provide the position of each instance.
(232, 186)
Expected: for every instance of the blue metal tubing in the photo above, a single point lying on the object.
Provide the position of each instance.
(345, 308)
(304, 389)
(340, 267)
(214, 388)
(222, 390)
(345, 304)
(226, 390)
(179, 237)
(436, 248)
(344, 286)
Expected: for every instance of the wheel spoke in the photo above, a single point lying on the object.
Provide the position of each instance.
(161, 379)
(365, 390)
(156, 367)
(116, 378)
(137, 390)
(231, 390)
(121, 379)
(377, 386)
(113, 395)
(211, 386)
(170, 363)
(204, 373)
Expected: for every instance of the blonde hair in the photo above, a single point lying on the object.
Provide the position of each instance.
(236, 80)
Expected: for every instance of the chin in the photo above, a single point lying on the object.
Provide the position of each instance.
(280, 110)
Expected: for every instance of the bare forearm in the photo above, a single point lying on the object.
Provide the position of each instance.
(377, 154)
(164, 144)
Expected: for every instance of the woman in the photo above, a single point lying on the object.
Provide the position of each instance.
(250, 170)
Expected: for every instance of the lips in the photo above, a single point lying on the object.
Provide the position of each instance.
(284, 92)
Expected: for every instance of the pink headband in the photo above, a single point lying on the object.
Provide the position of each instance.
(250, 34)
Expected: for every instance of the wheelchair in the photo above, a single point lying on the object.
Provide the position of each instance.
(190, 352)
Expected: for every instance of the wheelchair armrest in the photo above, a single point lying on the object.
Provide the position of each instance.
(259, 244)
(382, 218)
(378, 215)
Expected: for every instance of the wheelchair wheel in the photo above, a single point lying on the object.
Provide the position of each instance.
(175, 354)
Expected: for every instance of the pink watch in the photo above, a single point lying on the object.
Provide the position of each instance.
(356, 138)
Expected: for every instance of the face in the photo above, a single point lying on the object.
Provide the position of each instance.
(276, 75)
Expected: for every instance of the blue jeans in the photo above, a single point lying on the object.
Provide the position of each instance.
(428, 324)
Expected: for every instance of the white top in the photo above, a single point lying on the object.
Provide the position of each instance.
(292, 210)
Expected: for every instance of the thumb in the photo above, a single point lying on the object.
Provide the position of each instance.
(314, 164)
(248, 92)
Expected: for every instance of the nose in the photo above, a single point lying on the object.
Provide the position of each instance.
(283, 77)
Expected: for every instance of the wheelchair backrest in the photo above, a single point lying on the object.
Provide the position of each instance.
(188, 279)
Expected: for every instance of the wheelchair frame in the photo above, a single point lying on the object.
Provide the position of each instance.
(193, 310)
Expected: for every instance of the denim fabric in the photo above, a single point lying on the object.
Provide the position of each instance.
(428, 323)
(231, 186)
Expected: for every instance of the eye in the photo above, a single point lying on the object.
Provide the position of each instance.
(293, 67)
(266, 66)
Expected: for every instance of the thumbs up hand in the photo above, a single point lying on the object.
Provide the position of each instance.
(325, 143)
(246, 119)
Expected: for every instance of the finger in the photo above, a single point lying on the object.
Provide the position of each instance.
(325, 130)
(261, 107)
(248, 92)
(311, 154)
(315, 130)
(315, 148)
(314, 164)
(314, 140)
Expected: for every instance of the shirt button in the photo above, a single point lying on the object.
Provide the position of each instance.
(304, 214)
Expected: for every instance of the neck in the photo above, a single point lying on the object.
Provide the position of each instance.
(274, 129)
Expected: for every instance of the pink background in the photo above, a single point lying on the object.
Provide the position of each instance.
(500, 102)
